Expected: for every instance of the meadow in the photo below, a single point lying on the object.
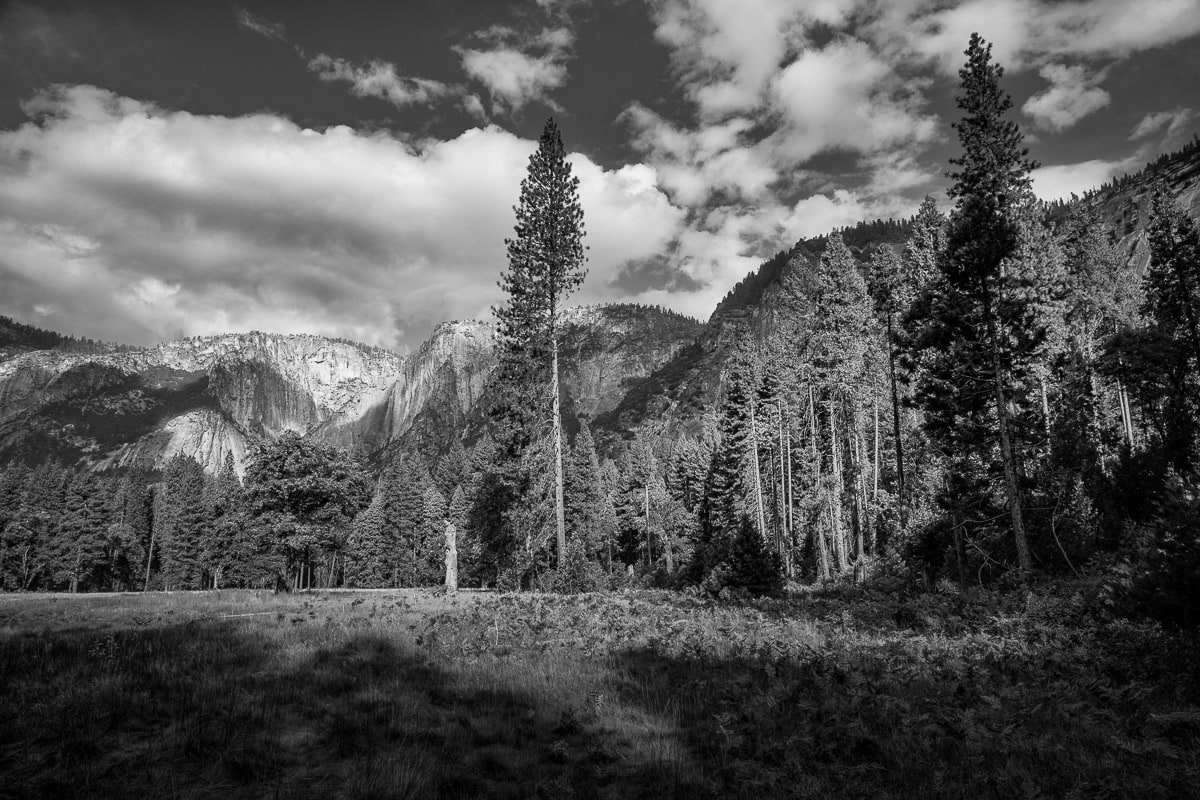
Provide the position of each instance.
(410, 693)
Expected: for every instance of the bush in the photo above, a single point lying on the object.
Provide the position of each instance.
(1165, 583)
(578, 573)
(749, 567)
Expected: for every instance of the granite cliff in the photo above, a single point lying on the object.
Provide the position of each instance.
(206, 397)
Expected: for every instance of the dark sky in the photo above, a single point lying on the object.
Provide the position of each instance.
(350, 168)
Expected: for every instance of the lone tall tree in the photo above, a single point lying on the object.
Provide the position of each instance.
(545, 264)
(982, 322)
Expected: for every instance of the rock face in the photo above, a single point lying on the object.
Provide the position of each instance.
(203, 397)
(1124, 206)
(208, 396)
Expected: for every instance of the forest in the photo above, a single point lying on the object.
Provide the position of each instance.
(984, 398)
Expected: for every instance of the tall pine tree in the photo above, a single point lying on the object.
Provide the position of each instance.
(545, 264)
(980, 328)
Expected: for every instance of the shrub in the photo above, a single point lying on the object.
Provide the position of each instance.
(1165, 583)
(749, 567)
(578, 573)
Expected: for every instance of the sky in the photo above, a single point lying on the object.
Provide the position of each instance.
(349, 169)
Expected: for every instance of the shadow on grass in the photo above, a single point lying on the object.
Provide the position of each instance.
(211, 709)
(896, 720)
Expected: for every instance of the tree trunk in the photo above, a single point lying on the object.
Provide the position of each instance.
(451, 558)
(782, 499)
(1007, 451)
(560, 520)
(1045, 412)
(646, 502)
(875, 460)
(1126, 417)
(788, 498)
(762, 518)
(149, 558)
(818, 535)
(900, 493)
(667, 554)
(835, 495)
(959, 559)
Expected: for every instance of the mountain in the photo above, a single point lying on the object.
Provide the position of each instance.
(626, 368)
(1123, 204)
(672, 399)
(116, 406)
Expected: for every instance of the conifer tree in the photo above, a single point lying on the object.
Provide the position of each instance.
(840, 348)
(586, 503)
(685, 479)
(980, 330)
(728, 503)
(545, 264)
(369, 555)
(451, 468)
(224, 547)
(897, 282)
(183, 520)
(1172, 303)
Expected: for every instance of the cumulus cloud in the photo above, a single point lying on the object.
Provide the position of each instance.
(1030, 32)
(518, 70)
(1071, 96)
(757, 68)
(695, 164)
(1059, 182)
(380, 79)
(123, 220)
(844, 97)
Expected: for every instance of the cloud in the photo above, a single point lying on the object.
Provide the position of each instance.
(380, 79)
(1171, 125)
(844, 97)
(1061, 181)
(1032, 32)
(127, 221)
(693, 165)
(518, 70)
(1071, 96)
(259, 24)
(725, 52)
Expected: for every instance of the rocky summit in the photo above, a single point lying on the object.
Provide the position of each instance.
(112, 406)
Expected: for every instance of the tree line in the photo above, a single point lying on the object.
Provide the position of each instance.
(992, 397)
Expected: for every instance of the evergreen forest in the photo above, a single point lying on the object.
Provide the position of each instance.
(987, 397)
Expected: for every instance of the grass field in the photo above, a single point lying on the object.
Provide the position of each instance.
(412, 694)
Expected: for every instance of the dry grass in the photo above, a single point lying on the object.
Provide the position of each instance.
(411, 694)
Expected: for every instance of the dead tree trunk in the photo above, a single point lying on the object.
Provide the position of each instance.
(560, 519)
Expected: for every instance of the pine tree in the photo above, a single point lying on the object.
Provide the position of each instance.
(588, 512)
(368, 551)
(13, 477)
(1173, 278)
(545, 264)
(182, 518)
(727, 502)
(685, 482)
(451, 468)
(225, 546)
(980, 328)
(897, 282)
(841, 348)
